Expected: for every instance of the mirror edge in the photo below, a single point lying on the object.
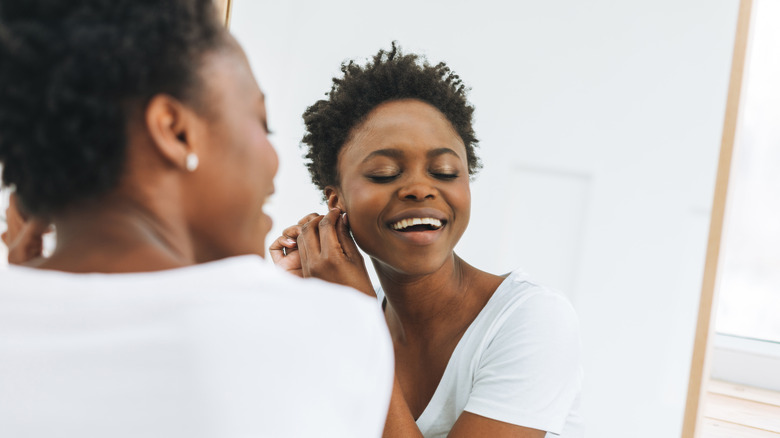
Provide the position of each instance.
(704, 327)
(223, 6)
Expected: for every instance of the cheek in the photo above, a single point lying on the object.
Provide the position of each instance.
(363, 206)
(459, 197)
(255, 161)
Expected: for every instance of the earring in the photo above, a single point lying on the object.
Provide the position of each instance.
(191, 162)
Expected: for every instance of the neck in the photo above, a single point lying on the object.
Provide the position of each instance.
(434, 303)
(119, 234)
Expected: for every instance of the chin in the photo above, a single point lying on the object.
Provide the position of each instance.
(414, 266)
(261, 233)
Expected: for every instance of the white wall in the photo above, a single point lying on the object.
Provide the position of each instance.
(600, 124)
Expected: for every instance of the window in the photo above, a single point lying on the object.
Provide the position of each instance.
(748, 313)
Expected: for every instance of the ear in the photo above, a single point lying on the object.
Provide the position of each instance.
(334, 198)
(171, 126)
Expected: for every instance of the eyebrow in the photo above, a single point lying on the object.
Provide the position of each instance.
(441, 151)
(391, 153)
(395, 153)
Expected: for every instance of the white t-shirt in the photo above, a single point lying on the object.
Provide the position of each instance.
(233, 348)
(519, 362)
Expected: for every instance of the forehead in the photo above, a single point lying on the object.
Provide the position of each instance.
(228, 79)
(408, 125)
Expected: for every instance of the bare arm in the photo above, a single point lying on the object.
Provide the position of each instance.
(473, 425)
(401, 424)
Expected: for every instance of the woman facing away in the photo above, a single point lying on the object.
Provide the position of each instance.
(476, 354)
(136, 127)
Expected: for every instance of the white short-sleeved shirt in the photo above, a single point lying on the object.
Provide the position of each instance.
(518, 362)
(233, 348)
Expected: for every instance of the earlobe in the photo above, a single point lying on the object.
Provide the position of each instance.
(334, 198)
(167, 123)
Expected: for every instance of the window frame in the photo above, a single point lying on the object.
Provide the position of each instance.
(746, 361)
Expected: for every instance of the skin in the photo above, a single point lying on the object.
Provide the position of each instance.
(24, 235)
(163, 216)
(405, 158)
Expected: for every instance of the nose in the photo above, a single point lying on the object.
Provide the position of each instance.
(417, 191)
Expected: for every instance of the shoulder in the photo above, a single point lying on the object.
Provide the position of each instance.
(269, 339)
(244, 289)
(527, 370)
(256, 281)
(320, 335)
(528, 328)
(522, 305)
(251, 277)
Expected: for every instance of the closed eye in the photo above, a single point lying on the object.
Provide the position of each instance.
(382, 179)
(445, 176)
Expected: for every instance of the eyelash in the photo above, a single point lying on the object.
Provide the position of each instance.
(381, 179)
(264, 122)
(445, 176)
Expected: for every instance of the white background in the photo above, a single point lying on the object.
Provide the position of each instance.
(600, 126)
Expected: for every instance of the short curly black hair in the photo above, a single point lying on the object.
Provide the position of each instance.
(391, 75)
(72, 72)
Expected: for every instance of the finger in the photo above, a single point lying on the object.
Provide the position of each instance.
(308, 218)
(310, 237)
(303, 253)
(277, 249)
(329, 240)
(345, 239)
(292, 232)
(290, 261)
(288, 242)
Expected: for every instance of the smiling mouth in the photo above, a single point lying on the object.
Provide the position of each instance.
(418, 224)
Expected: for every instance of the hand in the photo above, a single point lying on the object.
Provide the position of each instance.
(284, 250)
(328, 252)
(24, 237)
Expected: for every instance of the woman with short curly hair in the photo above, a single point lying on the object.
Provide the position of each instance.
(393, 149)
(137, 128)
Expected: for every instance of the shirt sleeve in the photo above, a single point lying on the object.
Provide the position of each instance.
(530, 371)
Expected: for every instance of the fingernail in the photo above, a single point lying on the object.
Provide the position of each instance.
(290, 241)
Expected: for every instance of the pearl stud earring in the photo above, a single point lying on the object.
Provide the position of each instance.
(192, 162)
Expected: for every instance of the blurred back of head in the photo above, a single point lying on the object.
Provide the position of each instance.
(71, 72)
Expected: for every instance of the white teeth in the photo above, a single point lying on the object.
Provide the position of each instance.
(404, 223)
